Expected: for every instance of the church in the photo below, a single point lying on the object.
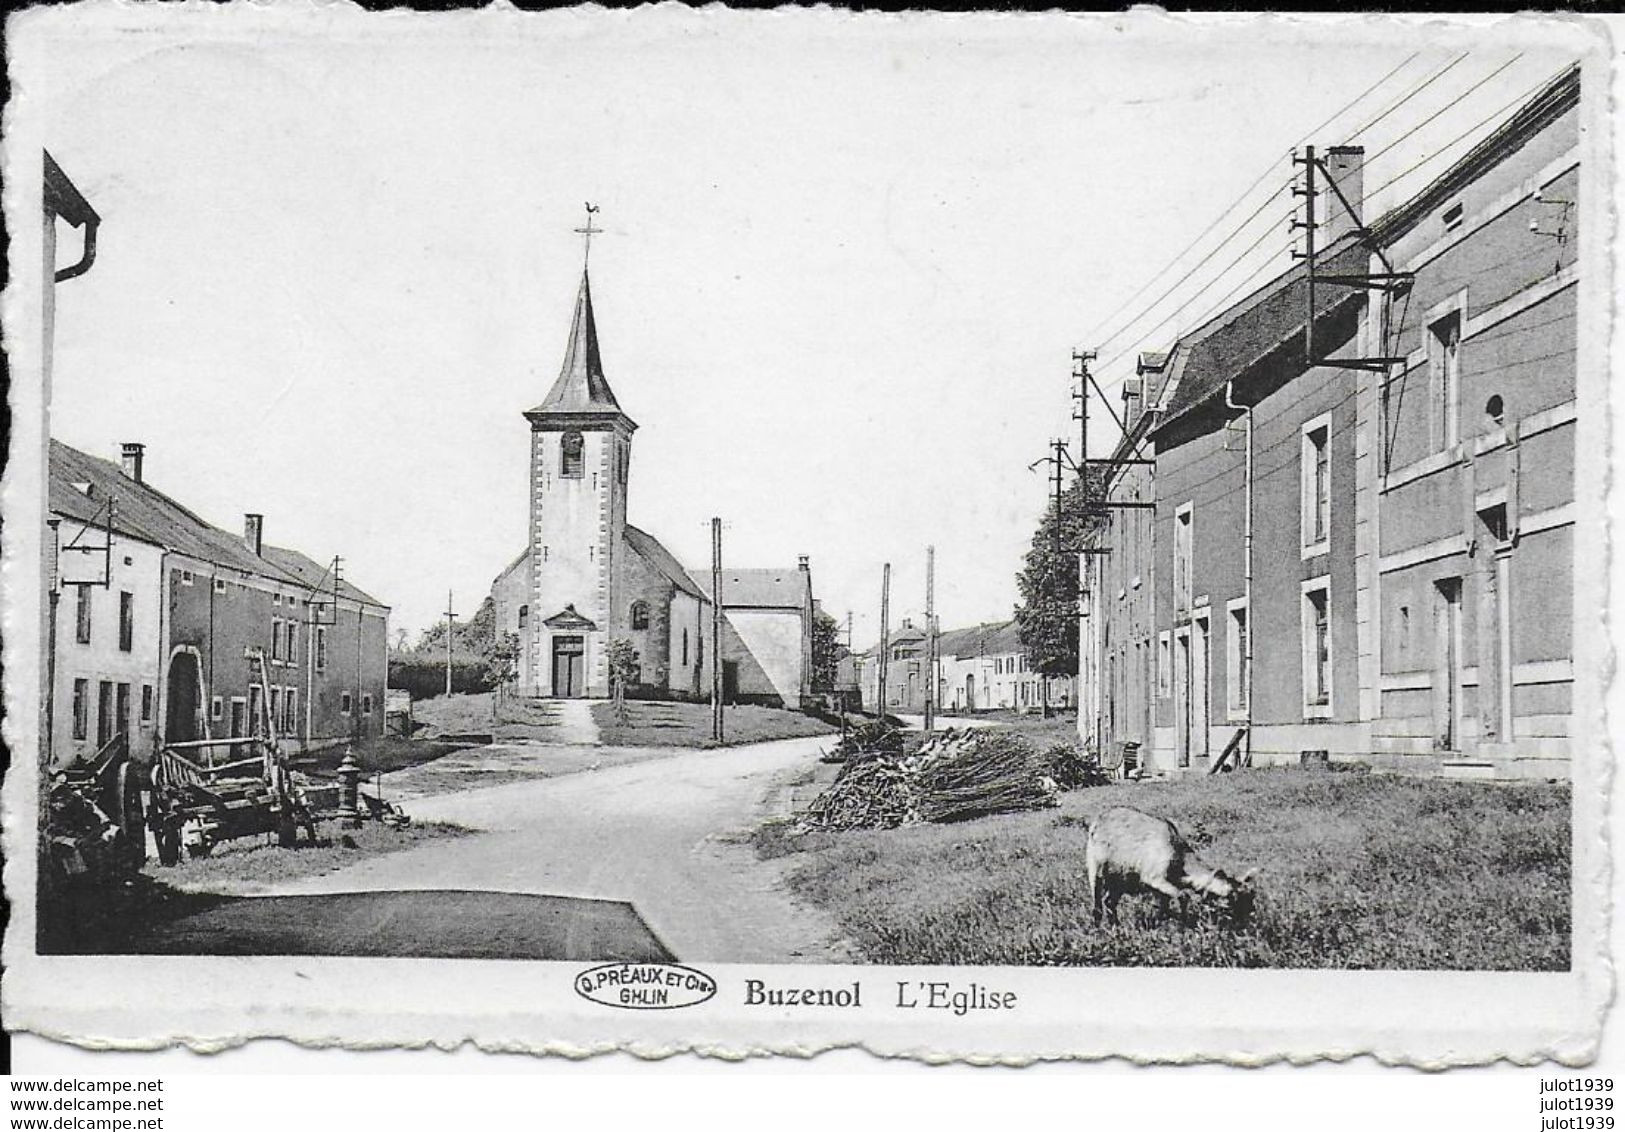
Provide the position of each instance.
(588, 577)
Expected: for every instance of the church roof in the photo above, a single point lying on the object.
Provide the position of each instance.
(581, 387)
(759, 589)
(657, 556)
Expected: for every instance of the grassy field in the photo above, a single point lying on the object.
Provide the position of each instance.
(1359, 871)
(463, 712)
(674, 724)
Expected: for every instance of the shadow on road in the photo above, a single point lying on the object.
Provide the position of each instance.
(428, 923)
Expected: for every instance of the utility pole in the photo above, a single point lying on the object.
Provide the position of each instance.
(885, 637)
(931, 639)
(450, 621)
(716, 629)
(1307, 192)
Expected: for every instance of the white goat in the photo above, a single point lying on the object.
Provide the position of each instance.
(1131, 851)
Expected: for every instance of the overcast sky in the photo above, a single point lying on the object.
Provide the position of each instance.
(844, 264)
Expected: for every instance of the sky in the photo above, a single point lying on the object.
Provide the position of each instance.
(844, 261)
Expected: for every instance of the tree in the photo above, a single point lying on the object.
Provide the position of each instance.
(1047, 616)
(623, 669)
(826, 651)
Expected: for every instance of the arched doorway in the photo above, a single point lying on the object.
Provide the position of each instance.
(185, 694)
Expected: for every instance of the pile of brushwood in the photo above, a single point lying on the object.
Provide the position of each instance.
(865, 740)
(1071, 767)
(955, 776)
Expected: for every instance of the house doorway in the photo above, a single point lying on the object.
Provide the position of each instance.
(730, 681)
(1201, 705)
(185, 697)
(569, 666)
(1447, 660)
(970, 693)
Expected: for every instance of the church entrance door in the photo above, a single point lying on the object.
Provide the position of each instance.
(569, 666)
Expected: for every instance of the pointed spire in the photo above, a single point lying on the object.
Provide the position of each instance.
(581, 387)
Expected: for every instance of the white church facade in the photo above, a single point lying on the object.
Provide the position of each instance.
(588, 577)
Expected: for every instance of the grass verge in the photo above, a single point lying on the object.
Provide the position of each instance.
(659, 723)
(1359, 871)
(249, 865)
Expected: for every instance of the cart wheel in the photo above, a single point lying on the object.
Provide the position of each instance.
(131, 819)
(169, 844)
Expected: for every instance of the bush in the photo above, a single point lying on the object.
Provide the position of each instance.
(423, 678)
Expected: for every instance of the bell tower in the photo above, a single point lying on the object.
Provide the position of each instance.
(580, 454)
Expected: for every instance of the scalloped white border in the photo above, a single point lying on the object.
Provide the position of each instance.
(1429, 1019)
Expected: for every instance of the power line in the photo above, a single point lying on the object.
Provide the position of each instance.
(1266, 234)
(1469, 131)
(1370, 157)
(1101, 326)
(1412, 93)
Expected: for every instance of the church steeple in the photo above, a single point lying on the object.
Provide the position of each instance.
(581, 386)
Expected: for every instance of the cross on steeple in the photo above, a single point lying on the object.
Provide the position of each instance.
(588, 232)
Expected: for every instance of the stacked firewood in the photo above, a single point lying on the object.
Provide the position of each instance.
(955, 776)
(873, 737)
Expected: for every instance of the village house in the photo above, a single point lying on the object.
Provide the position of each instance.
(979, 668)
(587, 576)
(1392, 512)
(1117, 657)
(181, 631)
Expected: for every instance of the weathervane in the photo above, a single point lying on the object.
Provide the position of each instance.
(588, 232)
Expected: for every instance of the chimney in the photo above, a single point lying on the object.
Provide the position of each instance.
(254, 532)
(1346, 166)
(1131, 402)
(134, 457)
(801, 563)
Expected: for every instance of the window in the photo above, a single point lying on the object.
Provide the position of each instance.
(1444, 379)
(82, 616)
(366, 704)
(146, 703)
(290, 642)
(1317, 649)
(290, 712)
(571, 455)
(344, 704)
(1237, 655)
(81, 709)
(186, 577)
(321, 648)
(256, 708)
(1404, 629)
(104, 712)
(276, 599)
(1451, 217)
(1494, 412)
(1317, 488)
(276, 706)
(217, 708)
(524, 616)
(219, 585)
(1182, 557)
(1493, 521)
(1164, 665)
(276, 640)
(239, 714)
(685, 648)
(640, 615)
(126, 621)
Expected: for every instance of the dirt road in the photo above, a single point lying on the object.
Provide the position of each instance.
(664, 835)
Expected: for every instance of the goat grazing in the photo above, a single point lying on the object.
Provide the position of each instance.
(1132, 851)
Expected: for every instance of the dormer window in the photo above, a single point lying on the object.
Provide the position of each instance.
(1452, 217)
(571, 455)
